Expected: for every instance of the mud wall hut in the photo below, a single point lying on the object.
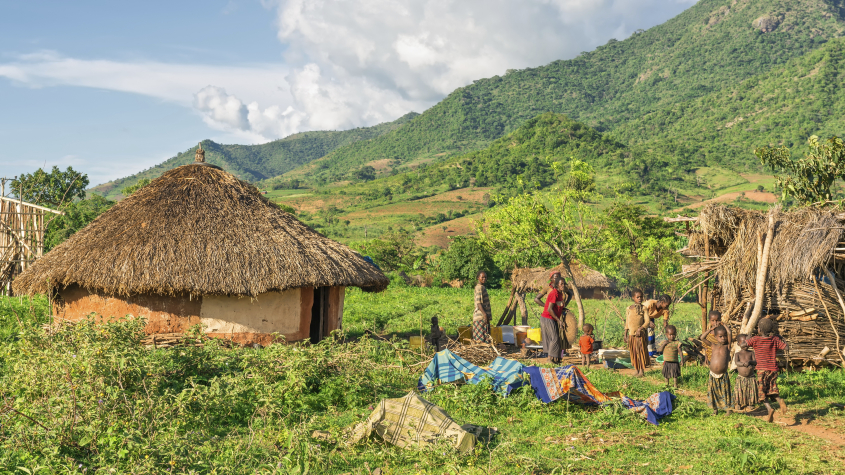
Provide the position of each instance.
(801, 273)
(199, 246)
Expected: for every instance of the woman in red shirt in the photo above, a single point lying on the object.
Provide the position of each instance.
(550, 322)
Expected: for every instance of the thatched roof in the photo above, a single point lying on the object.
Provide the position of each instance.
(804, 240)
(198, 230)
(537, 278)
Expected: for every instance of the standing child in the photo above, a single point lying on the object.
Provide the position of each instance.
(654, 309)
(671, 349)
(745, 388)
(765, 345)
(636, 322)
(715, 318)
(586, 344)
(719, 393)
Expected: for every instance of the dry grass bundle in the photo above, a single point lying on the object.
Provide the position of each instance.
(479, 354)
(537, 278)
(198, 230)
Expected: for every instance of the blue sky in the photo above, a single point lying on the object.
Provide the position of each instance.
(112, 88)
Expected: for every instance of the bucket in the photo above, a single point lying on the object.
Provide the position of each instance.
(597, 345)
(496, 333)
(415, 342)
(520, 337)
(464, 333)
(534, 334)
(521, 328)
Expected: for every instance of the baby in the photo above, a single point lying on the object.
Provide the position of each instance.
(745, 388)
(586, 344)
(671, 349)
(719, 393)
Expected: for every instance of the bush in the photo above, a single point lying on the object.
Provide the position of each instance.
(463, 260)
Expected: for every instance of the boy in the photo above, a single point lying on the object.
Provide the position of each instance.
(719, 393)
(745, 388)
(636, 323)
(654, 309)
(671, 349)
(765, 345)
(586, 344)
(715, 318)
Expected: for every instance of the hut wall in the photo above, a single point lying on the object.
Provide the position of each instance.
(243, 320)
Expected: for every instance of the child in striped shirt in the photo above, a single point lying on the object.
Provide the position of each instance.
(765, 345)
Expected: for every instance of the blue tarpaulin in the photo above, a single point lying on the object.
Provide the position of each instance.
(447, 367)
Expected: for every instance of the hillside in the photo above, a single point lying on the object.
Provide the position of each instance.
(711, 47)
(259, 162)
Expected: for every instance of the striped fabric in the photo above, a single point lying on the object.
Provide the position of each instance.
(447, 367)
(764, 351)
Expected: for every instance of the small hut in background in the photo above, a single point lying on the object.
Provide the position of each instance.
(591, 283)
(787, 264)
(199, 246)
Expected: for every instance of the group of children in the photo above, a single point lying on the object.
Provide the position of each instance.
(749, 389)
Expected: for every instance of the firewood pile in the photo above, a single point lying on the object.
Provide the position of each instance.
(479, 354)
(169, 340)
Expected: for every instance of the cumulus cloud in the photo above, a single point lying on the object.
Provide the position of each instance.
(351, 63)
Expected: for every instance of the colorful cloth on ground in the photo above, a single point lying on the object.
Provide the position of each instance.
(550, 337)
(413, 421)
(671, 369)
(639, 356)
(719, 395)
(551, 384)
(746, 391)
(653, 408)
(671, 351)
(652, 350)
(482, 300)
(768, 384)
(764, 351)
(447, 367)
(481, 331)
(585, 344)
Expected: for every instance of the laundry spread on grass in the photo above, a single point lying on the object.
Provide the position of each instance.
(413, 421)
(447, 367)
(549, 384)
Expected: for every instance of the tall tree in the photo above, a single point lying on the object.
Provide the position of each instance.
(51, 189)
(557, 221)
(809, 179)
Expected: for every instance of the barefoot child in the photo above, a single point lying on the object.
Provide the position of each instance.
(765, 345)
(586, 344)
(636, 323)
(715, 318)
(670, 349)
(655, 309)
(719, 383)
(745, 388)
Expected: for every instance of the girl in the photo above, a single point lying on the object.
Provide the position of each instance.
(481, 315)
(550, 322)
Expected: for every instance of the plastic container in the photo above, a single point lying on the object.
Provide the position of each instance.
(520, 337)
(597, 345)
(416, 342)
(535, 334)
(496, 333)
(521, 328)
(464, 333)
(508, 335)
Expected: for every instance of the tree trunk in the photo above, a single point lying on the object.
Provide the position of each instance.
(762, 269)
(523, 310)
(576, 293)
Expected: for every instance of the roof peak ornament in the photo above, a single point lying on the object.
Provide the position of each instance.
(200, 157)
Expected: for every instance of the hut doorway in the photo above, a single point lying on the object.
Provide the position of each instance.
(319, 313)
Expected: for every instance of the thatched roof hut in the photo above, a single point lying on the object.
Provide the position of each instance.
(806, 244)
(198, 245)
(591, 283)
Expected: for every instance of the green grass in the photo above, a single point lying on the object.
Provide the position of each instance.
(90, 399)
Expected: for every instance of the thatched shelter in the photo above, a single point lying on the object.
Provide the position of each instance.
(591, 283)
(199, 246)
(800, 267)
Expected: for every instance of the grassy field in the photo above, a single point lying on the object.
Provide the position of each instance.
(90, 399)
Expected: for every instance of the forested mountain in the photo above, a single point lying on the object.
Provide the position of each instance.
(706, 51)
(258, 162)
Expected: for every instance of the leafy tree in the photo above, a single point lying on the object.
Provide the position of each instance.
(126, 191)
(809, 179)
(51, 189)
(559, 222)
(464, 258)
(394, 251)
(582, 177)
(366, 173)
(77, 215)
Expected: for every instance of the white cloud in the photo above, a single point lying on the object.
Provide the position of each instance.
(353, 63)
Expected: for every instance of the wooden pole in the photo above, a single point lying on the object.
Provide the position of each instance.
(762, 269)
(841, 304)
(523, 309)
(702, 288)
